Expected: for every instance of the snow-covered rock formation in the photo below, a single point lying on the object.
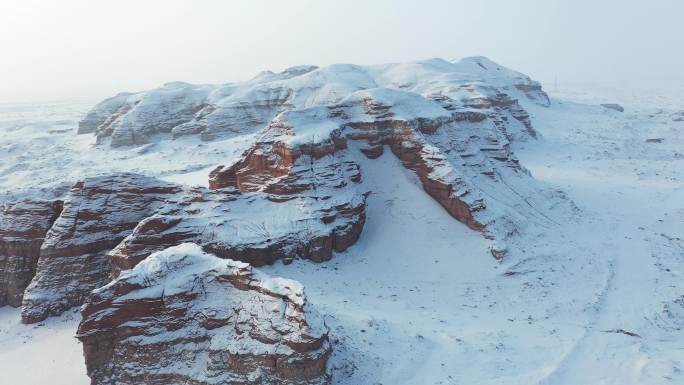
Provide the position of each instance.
(449, 122)
(250, 227)
(296, 192)
(596, 298)
(237, 108)
(186, 317)
(111, 223)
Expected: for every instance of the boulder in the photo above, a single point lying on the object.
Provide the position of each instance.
(613, 106)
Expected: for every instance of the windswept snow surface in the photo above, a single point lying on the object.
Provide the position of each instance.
(419, 300)
(631, 193)
(44, 353)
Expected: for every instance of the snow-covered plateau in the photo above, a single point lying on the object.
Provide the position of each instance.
(432, 222)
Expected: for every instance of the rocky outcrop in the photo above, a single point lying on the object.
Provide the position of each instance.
(251, 227)
(451, 123)
(164, 272)
(98, 213)
(288, 206)
(505, 79)
(107, 112)
(111, 223)
(271, 204)
(458, 148)
(23, 225)
(298, 191)
(186, 317)
(613, 106)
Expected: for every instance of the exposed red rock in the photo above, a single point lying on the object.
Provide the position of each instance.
(186, 317)
(98, 213)
(454, 147)
(23, 225)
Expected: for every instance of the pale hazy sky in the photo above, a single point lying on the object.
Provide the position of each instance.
(66, 49)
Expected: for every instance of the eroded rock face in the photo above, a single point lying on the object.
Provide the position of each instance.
(23, 225)
(458, 148)
(289, 205)
(186, 317)
(174, 314)
(251, 227)
(111, 223)
(98, 213)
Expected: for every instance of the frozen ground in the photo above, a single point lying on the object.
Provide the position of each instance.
(598, 299)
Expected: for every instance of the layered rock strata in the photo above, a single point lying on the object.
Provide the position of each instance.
(23, 225)
(97, 214)
(111, 223)
(186, 317)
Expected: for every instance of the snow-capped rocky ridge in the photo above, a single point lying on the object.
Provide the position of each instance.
(111, 223)
(214, 111)
(449, 122)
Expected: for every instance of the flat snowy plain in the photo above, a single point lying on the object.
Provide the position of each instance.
(599, 299)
